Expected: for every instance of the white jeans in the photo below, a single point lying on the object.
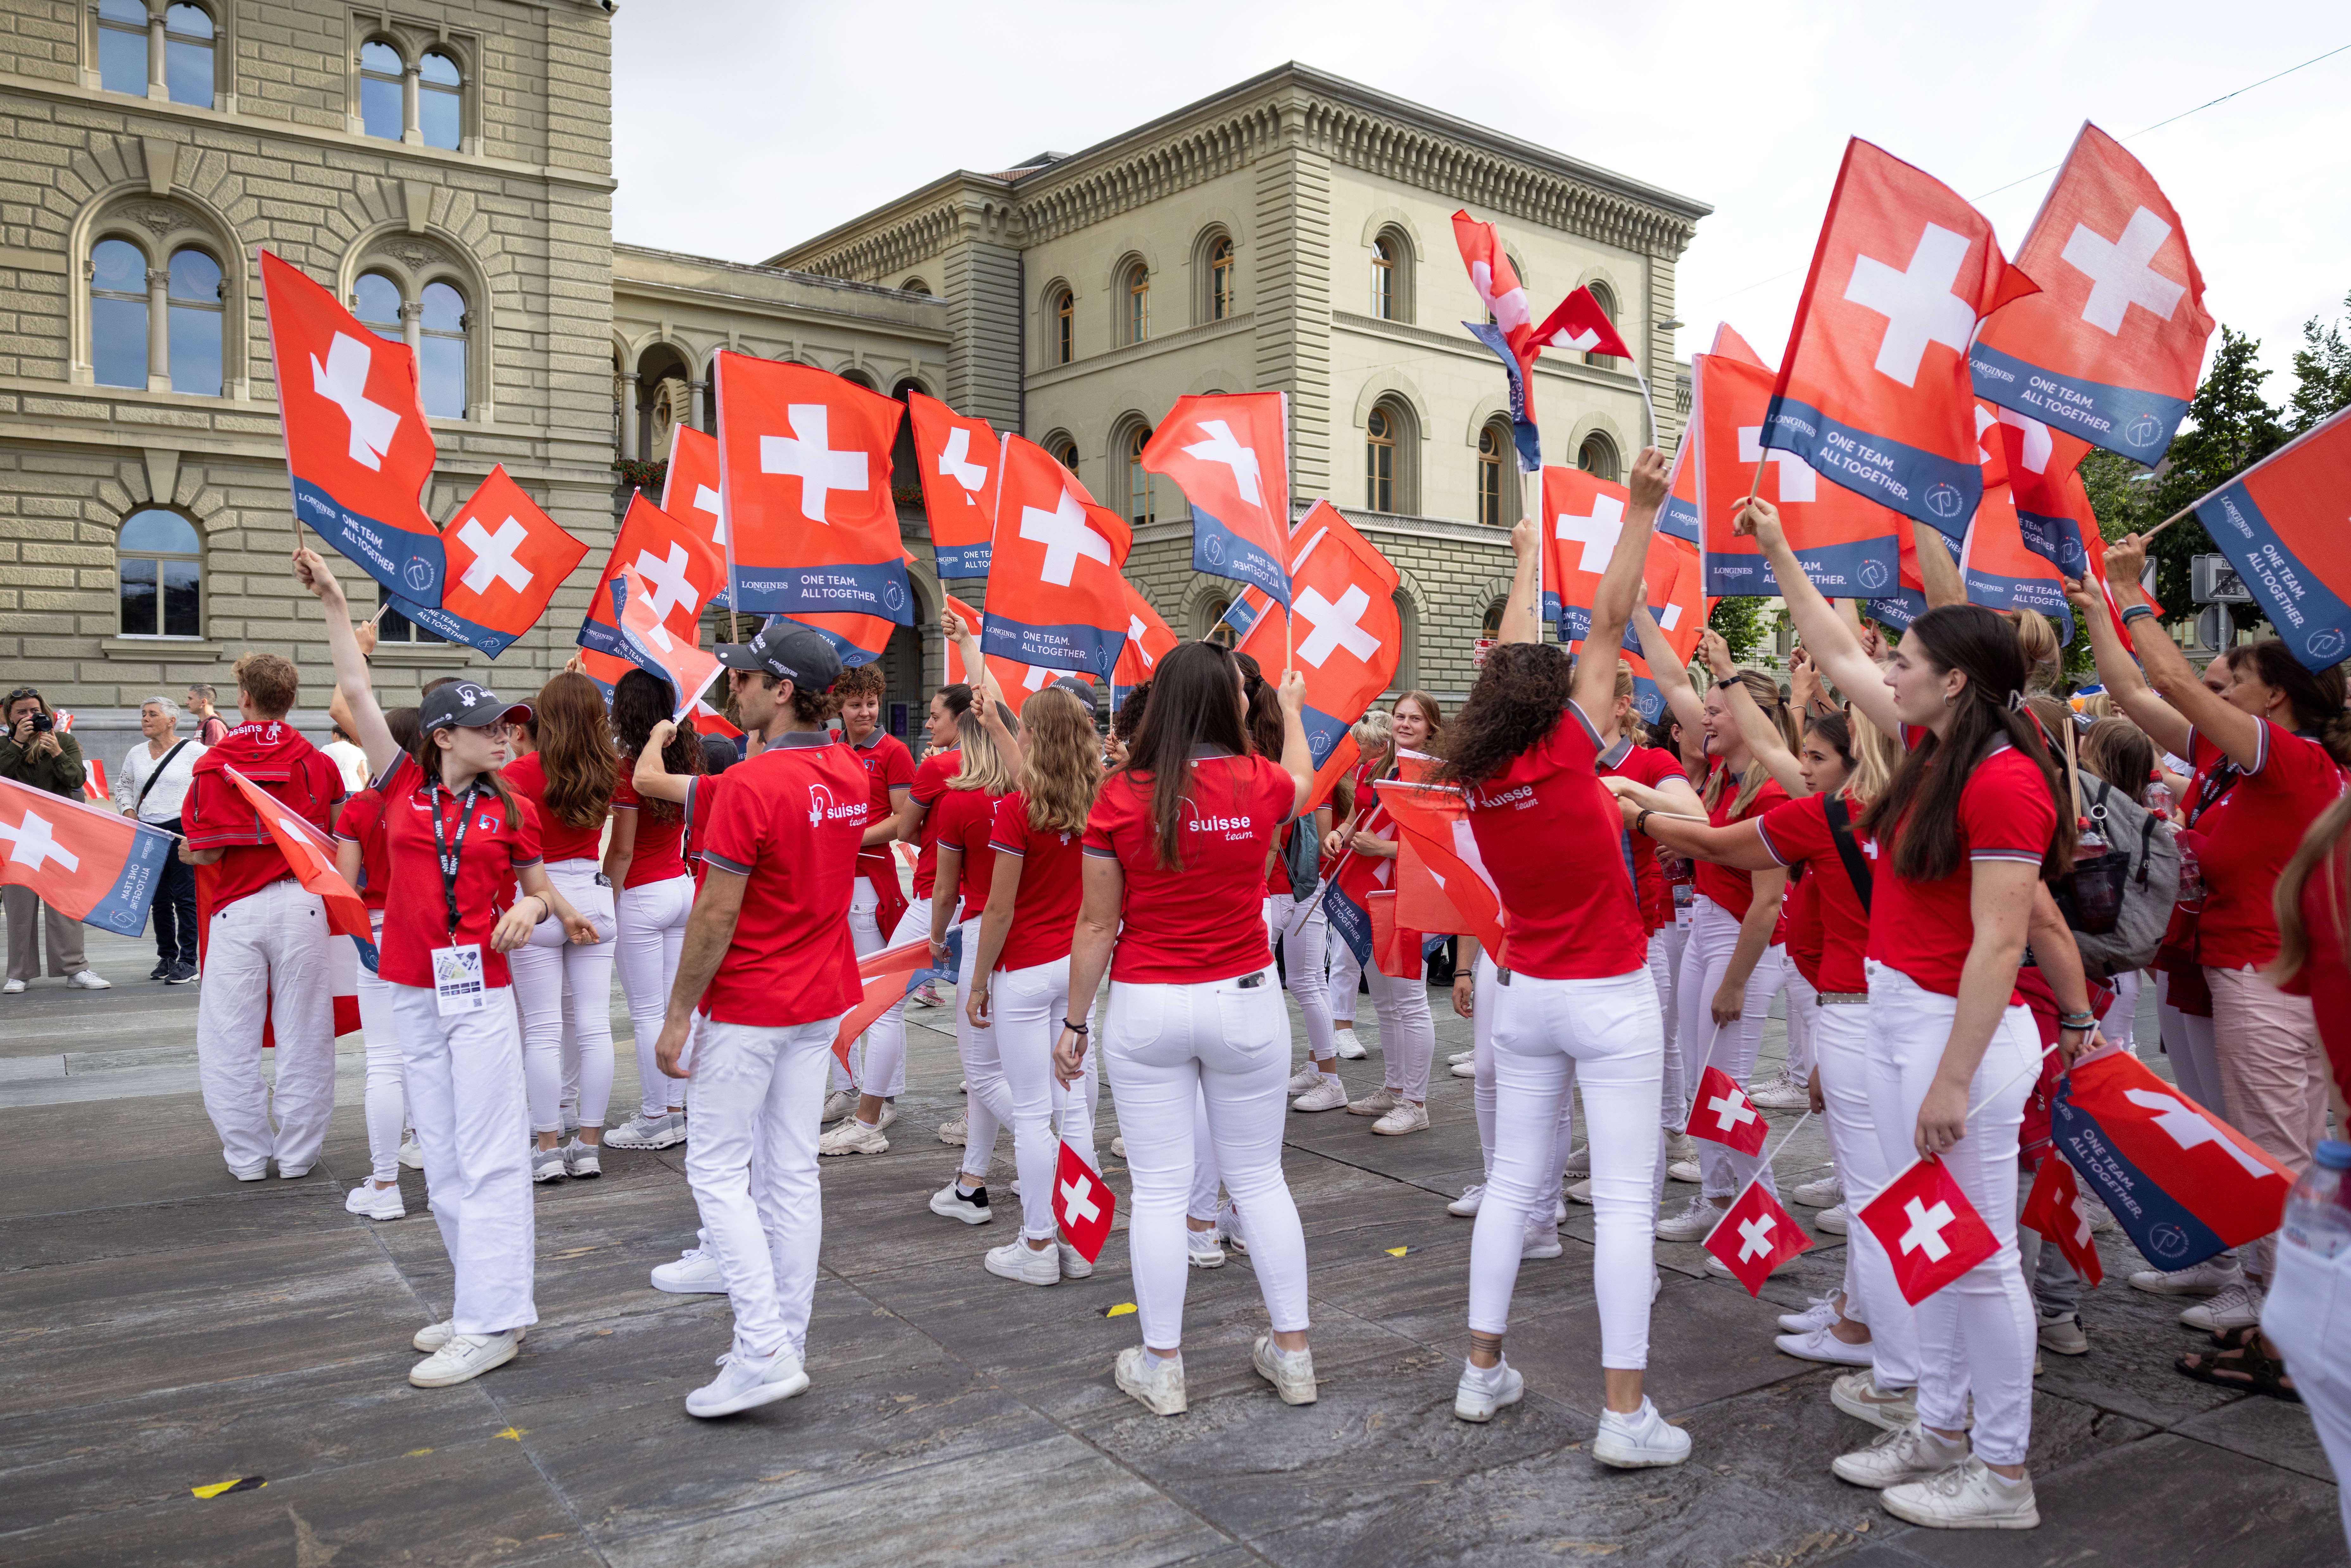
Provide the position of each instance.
(541, 968)
(1485, 980)
(387, 1080)
(1164, 1046)
(1803, 1006)
(987, 1098)
(1407, 1033)
(1305, 964)
(865, 936)
(2119, 1023)
(757, 1100)
(649, 926)
(1977, 1334)
(464, 1083)
(1665, 965)
(1028, 1006)
(2195, 1060)
(884, 1062)
(2308, 1316)
(1841, 1034)
(1714, 934)
(1609, 1032)
(266, 958)
(1345, 972)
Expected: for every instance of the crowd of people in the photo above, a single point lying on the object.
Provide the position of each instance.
(1878, 850)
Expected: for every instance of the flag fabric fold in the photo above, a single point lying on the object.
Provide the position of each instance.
(505, 560)
(2281, 524)
(1056, 598)
(85, 861)
(957, 456)
(311, 856)
(1229, 453)
(1931, 1233)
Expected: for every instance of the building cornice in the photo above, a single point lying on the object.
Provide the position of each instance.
(1129, 353)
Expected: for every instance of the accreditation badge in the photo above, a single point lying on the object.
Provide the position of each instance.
(458, 985)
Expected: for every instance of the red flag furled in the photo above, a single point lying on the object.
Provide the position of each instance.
(2110, 349)
(87, 863)
(1577, 323)
(1084, 1204)
(1396, 947)
(1510, 334)
(1754, 1236)
(957, 457)
(1680, 516)
(1148, 641)
(2052, 509)
(2280, 524)
(681, 569)
(1229, 453)
(709, 720)
(1931, 1233)
(312, 856)
(356, 448)
(647, 641)
(1055, 597)
(506, 558)
(1442, 883)
(1874, 393)
(2054, 1207)
(804, 465)
(1721, 1113)
(1999, 568)
(887, 975)
(2094, 545)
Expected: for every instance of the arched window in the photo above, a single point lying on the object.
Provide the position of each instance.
(441, 357)
(914, 286)
(196, 294)
(1597, 455)
(1383, 278)
(1221, 297)
(117, 313)
(1135, 303)
(1493, 475)
(376, 301)
(1063, 323)
(188, 55)
(1139, 509)
(1492, 624)
(1606, 298)
(1064, 451)
(440, 100)
(1208, 622)
(382, 112)
(1380, 460)
(160, 572)
(123, 46)
(392, 626)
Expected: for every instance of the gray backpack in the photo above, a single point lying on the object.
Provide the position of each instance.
(2119, 901)
(1303, 858)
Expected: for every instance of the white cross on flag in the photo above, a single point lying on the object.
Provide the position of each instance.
(2055, 1209)
(1722, 1113)
(1055, 595)
(1149, 640)
(506, 558)
(652, 647)
(679, 571)
(1083, 1204)
(957, 455)
(1931, 1233)
(1755, 1237)
(88, 862)
(690, 491)
(1229, 453)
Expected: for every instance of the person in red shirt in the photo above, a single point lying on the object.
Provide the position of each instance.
(1375, 744)
(1966, 831)
(359, 856)
(568, 781)
(645, 863)
(769, 961)
(1173, 900)
(963, 818)
(457, 844)
(885, 1075)
(265, 939)
(880, 902)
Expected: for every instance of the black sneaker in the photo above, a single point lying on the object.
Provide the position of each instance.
(181, 975)
(163, 967)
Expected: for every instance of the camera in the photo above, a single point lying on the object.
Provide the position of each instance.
(43, 723)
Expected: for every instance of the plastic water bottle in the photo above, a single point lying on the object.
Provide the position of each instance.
(2317, 1220)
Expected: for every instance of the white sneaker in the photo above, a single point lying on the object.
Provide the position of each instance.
(1463, 1070)
(839, 1103)
(1201, 1250)
(463, 1357)
(1118, 1147)
(643, 1132)
(1458, 1057)
(15, 988)
(2233, 1306)
(1073, 1262)
(582, 1160)
(950, 1203)
(1820, 1314)
(91, 980)
(1692, 1222)
(1966, 1497)
(1836, 1221)
(411, 1155)
(1378, 1102)
(696, 1273)
(1829, 1189)
(1822, 1345)
(546, 1165)
(926, 995)
(1857, 1394)
(1907, 1453)
(1228, 1228)
(2101, 1217)
(1291, 1371)
(889, 1115)
(1465, 1205)
(432, 1336)
(1781, 1093)
(954, 1131)
(375, 1202)
(1582, 1191)
(1328, 1094)
(253, 1173)
(1344, 1040)
(1579, 1163)
(2204, 1278)
(747, 1382)
(850, 1136)
(292, 1172)
(1559, 1211)
(1015, 1260)
(1639, 1441)
(1407, 1117)
(1684, 1171)
(1157, 1382)
(1305, 1078)
(1486, 1389)
(1541, 1241)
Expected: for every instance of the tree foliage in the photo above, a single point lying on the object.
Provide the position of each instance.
(1743, 623)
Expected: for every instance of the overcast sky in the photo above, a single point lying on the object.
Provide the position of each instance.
(744, 126)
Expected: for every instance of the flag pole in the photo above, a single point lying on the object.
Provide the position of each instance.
(1650, 404)
(1532, 508)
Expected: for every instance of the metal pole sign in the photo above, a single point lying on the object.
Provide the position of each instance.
(2213, 580)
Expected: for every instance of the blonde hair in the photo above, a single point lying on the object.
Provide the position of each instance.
(983, 766)
(2043, 652)
(1774, 704)
(1061, 763)
(1873, 760)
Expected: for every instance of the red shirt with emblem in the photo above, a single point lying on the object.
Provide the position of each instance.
(1203, 918)
(360, 823)
(559, 839)
(216, 815)
(1797, 834)
(888, 764)
(656, 853)
(416, 914)
(1553, 840)
(1045, 909)
(965, 817)
(1651, 765)
(1731, 888)
(930, 783)
(789, 819)
(1925, 928)
(2272, 805)
(2326, 976)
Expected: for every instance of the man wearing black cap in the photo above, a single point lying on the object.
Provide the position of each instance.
(770, 962)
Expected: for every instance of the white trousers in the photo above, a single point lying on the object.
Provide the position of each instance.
(1841, 1034)
(1345, 972)
(865, 936)
(1028, 1006)
(2120, 1020)
(2195, 1059)
(1407, 1033)
(1304, 934)
(884, 1062)
(1485, 980)
(1977, 1334)
(756, 1100)
(1164, 1046)
(2307, 1316)
(1665, 967)
(1804, 1004)
(386, 1097)
(266, 958)
(987, 1098)
(464, 1083)
(1706, 957)
(541, 968)
(649, 920)
(1609, 1032)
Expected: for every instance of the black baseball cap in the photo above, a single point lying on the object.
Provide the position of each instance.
(467, 705)
(788, 650)
(1081, 690)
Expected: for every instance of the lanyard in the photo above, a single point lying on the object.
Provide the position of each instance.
(451, 855)
(2217, 783)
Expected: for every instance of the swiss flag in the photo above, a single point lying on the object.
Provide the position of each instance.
(357, 447)
(648, 643)
(2111, 347)
(1396, 947)
(2054, 1207)
(1014, 680)
(311, 856)
(709, 720)
(1755, 1236)
(2280, 524)
(957, 456)
(1148, 641)
(1229, 453)
(804, 465)
(1083, 1204)
(1510, 335)
(1680, 516)
(1874, 393)
(886, 977)
(1722, 1113)
(2052, 509)
(1442, 883)
(506, 558)
(1582, 514)
(93, 780)
(691, 492)
(1931, 1231)
(681, 569)
(1687, 604)
(1578, 323)
(1055, 597)
(1347, 632)
(2094, 548)
(88, 862)
(2001, 570)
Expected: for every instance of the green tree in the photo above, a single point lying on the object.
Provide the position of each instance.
(2231, 426)
(1741, 622)
(2321, 374)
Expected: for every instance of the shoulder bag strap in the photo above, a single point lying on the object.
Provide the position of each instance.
(1856, 864)
(157, 773)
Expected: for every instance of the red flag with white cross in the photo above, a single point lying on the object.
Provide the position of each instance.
(1579, 325)
(1149, 639)
(1018, 682)
(2055, 1209)
(649, 643)
(506, 558)
(690, 490)
(1722, 1113)
(1754, 1236)
(1083, 1204)
(88, 862)
(1229, 453)
(1931, 1233)
(681, 568)
(1055, 598)
(957, 455)
(312, 856)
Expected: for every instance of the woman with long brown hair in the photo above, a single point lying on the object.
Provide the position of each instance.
(645, 864)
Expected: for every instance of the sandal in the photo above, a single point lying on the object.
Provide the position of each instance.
(2249, 1367)
(2235, 1338)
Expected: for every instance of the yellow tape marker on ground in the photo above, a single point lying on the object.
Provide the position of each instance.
(1119, 1310)
(1396, 1251)
(220, 1488)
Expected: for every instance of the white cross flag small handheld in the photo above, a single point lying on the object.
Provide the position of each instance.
(1083, 1204)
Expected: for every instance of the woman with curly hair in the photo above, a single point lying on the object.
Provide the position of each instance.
(645, 862)
(1573, 986)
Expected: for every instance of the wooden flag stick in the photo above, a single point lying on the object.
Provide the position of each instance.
(1532, 504)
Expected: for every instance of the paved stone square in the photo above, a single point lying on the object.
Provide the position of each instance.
(166, 1328)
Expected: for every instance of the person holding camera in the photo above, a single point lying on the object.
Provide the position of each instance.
(152, 785)
(36, 752)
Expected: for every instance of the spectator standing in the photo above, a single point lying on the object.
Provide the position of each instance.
(211, 728)
(345, 753)
(34, 752)
(152, 785)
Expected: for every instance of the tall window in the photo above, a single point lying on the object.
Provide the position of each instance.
(1603, 296)
(1138, 477)
(123, 46)
(440, 100)
(1065, 334)
(1383, 278)
(1220, 279)
(188, 55)
(160, 571)
(440, 353)
(395, 627)
(1493, 466)
(376, 301)
(196, 292)
(117, 313)
(381, 111)
(1136, 304)
(1380, 461)
(1597, 455)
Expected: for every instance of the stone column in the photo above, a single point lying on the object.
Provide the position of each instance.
(412, 327)
(629, 435)
(697, 388)
(158, 89)
(159, 328)
(411, 116)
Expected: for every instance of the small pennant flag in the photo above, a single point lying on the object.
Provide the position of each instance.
(2055, 1209)
(1083, 1204)
(1754, 1236)
(1723, 1114)
(1931, 1233)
